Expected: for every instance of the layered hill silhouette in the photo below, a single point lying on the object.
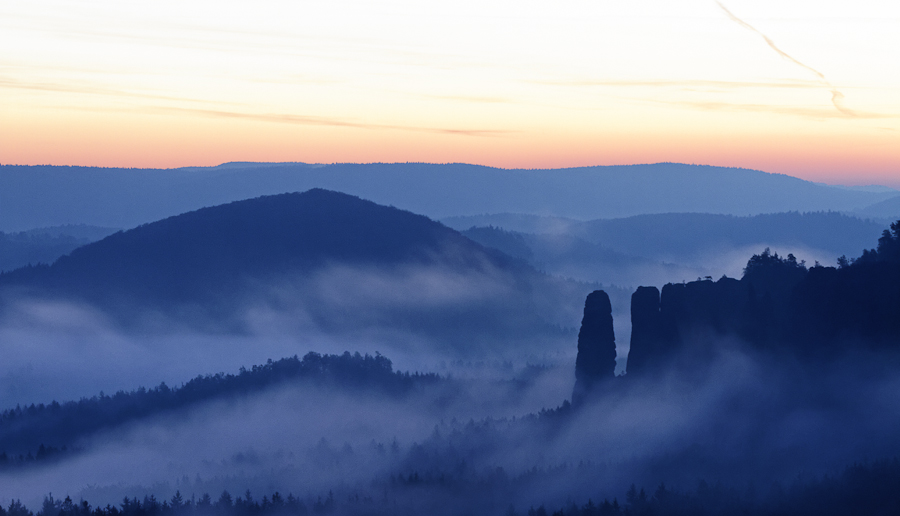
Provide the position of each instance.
(658, 249)
(45, 245)
(335, 259)
(37, 196)
(211, 250)
(678, 236)
(888, 209)
(681, 236)
(572, 257)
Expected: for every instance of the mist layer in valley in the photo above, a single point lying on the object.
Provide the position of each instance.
(233, 285)
(458, 392)
(675, 247)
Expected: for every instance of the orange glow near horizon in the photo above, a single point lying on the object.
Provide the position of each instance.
(841, 159)
(505, 84)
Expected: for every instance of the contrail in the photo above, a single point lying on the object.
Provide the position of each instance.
(837, 97)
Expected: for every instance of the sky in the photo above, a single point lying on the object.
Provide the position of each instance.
(805, 88)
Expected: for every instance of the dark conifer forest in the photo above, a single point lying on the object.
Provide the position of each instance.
(502, 389)
(58, 425)
(870, 488)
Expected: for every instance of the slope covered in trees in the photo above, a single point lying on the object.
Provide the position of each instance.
(779, 306)
(860, 488)
(54, 426)
(210, 251)
(749, 429)
(865, 488)
(342, 262)
(786, 403)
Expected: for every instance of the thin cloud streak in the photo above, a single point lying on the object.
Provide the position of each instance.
(687, 83)
(783, 110)
(465, 98)
(353, 49)
(814, 113)
(325, 121)
(837, 97)
(6, 82)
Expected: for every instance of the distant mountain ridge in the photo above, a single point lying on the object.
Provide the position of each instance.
(336, 260)
(36, 196)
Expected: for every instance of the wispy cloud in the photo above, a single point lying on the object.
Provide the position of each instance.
(808, 112)
(699, 84)
(469, 98)
(837, 98)
(56, 87)
(286, 118)
(687, 83)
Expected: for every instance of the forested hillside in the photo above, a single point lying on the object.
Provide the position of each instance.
(328, 260)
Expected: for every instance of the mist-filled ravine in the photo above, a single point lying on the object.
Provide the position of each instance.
(318, 353)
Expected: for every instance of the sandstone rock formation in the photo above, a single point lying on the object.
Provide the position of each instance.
(596, 360)
(646, 332)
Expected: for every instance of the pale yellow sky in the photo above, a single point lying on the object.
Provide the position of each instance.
(810, 89)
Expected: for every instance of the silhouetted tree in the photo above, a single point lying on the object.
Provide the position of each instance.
(17, 509)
